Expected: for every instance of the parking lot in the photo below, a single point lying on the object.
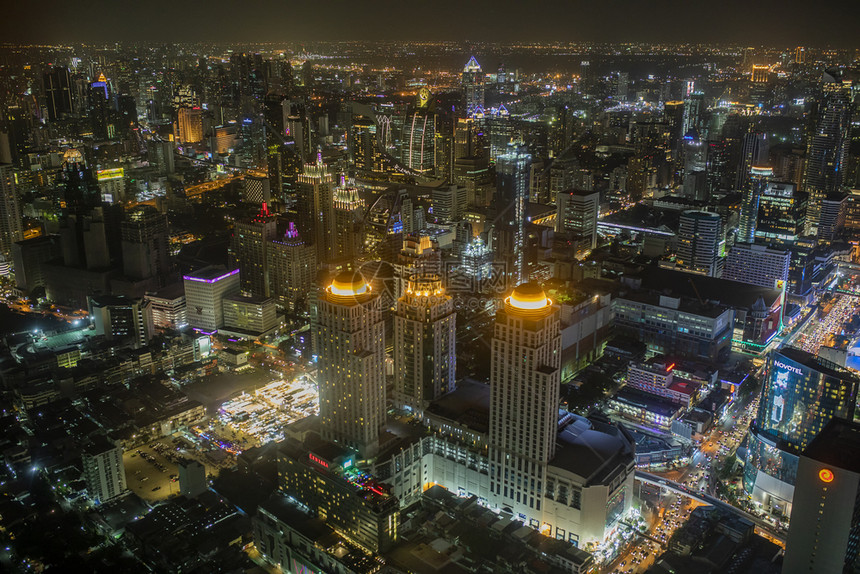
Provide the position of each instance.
(151, 471)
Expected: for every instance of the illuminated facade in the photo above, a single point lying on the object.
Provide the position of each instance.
(577, 216)
(424, 343)
(758, 180)
(700, 243)
(801, 394)
(351, 343)
(314, 204)
(189, 125)
(512, 182)
(248, 247)
(472, 81)
(524, 386)
(348, 210)
(292, 268)
(204, 297)
(781, 214)
(10, 214)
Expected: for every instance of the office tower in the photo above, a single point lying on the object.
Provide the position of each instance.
(827, 148)
(524, 395)
(419, 151)
(192, 478)
(700, 243)
(204, 297)
(251, 238)
(314, 202)
(350, 335)
(799, 55)
(756, 186)
(825, 525)
(424, 343)
(348, 211)
(98, 99)
(58, 92)
(781, 214)
(469, 141)
(801, 393)
(576, 217)
(145, 247)
(449, 203)
(852, 211)
(694, 109)
(476, 261)
(695, 167)
(104, 471)
(189, 125)
(257, 190)
(512, 188)
(759, 74)
(758, 264)
(292, 269)
(168, 308)
(419, 255)
(472, 82)
(364, 146)
(754, 152)
(121, 320)
(10, 214)
(832, 215)
(27, 259)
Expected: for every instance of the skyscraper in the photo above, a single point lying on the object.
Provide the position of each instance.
(577, 217)
(827, 148)
(754, 152)
(292, 268)
(205, 291)
(512, 188)
(758, 264)
(145, 249)
(10, 215)
(424, 343)
(419, 145)
(781, 214)
(104, 471)
(801, 393)
(251, 238)
(700, 243)
(756, 186)
(351, 344)
(348, 211)
(314, 203)
(524, 395)
(472, 82)
(825, 526)
(58, 92)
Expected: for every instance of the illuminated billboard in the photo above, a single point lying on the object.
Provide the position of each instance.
(108, 174)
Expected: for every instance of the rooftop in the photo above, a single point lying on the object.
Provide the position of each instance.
(838, 444)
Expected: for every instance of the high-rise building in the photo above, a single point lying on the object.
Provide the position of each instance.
(577, 218)
(257, 190)
(204, 297)
(121, 320)
(10, 214)
(351, 344)
(104, 471)
(365, 148)
(472, 82)
(419, 141)
(192, 478)
(700, 243)
(98, 100)
(524, 396)
(754, 152)
(189, 125)
(248, 247)
(799, 55)
(449, 203)
(824, 535)
(314, 204)
(832, 215)
(347, 237)
(292, 269)
(756, 186)
(781, 214)
(58, 92)
(27, 259)
(168, 308)
(760, 73)
(801, 393)
(827, 148)
(145, 247)
(512, 181)
(758, 264)
(424, 343)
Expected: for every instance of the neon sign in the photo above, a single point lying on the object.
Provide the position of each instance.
(826, 475)
(790, 368)
(317, 460)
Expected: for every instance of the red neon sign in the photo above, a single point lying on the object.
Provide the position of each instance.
(317, 460)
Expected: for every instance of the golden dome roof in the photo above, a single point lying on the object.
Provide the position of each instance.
(349, 284)
(528, 298)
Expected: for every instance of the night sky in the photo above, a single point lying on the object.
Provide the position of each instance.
(751, 22)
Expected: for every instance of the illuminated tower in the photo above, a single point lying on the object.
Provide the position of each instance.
(348, 210)
(315, 189)
(424, 343)
(10, 215)
(350, 335)
(251, 238)
(472, 80)
(419, 151)
(700, 243)
(759, 178)
(512, 173)
(292, 268)
(524, 395)
(827, 148)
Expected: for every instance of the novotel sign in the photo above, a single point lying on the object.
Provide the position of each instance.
(790, 368)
